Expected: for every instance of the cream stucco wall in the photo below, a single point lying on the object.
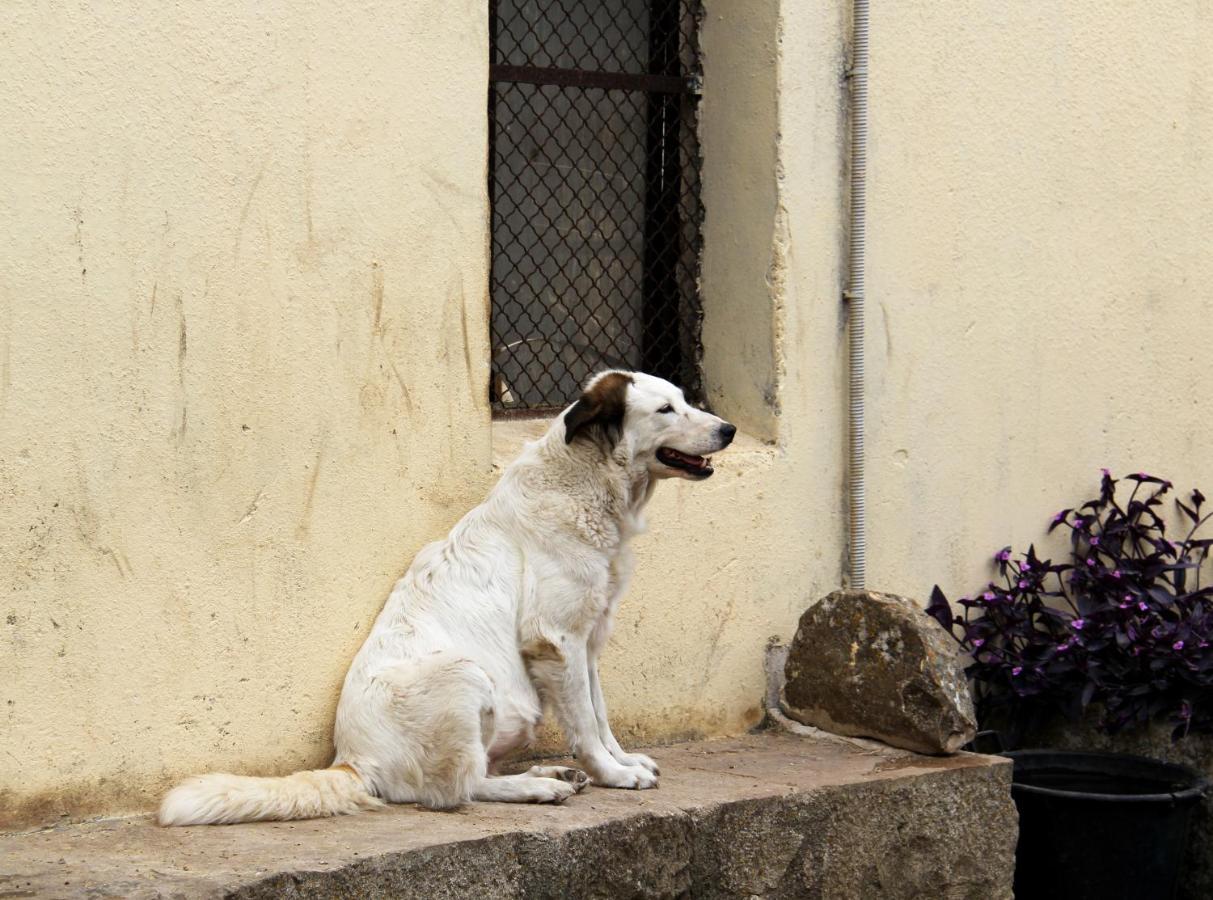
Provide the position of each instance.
(243, 345)
(243, 362)
(1040, 269)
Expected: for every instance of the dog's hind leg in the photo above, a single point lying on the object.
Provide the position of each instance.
(441, 710)
(538, 784)
(577, 778)
(528, 788)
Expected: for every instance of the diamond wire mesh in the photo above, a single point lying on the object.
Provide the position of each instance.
(595, 198)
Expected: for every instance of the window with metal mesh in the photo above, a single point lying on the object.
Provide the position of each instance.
(594, 186)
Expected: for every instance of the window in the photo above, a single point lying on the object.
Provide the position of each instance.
(594, 188)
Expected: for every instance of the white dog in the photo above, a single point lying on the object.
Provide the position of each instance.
(514, 606)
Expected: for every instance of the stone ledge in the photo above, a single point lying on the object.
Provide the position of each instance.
(763, 815)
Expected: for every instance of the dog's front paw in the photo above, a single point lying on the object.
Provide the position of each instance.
(635, 778)
(639, 759)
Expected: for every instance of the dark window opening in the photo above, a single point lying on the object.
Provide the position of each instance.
(594, 188)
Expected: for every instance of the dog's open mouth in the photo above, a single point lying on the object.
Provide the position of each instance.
(699, 466)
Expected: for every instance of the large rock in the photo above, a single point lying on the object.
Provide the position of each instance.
(867, 664)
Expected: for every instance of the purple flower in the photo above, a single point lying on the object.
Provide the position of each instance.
(1089, 579)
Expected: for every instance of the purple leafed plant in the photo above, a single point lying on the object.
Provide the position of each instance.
(1124, 624)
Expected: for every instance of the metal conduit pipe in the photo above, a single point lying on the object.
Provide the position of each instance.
(857, 483)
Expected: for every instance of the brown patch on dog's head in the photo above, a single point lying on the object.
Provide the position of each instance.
(601, 407)
(541, 650)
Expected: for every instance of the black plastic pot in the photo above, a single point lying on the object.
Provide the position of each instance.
(1100, 825)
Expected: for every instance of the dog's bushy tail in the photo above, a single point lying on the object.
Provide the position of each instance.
(220, 799)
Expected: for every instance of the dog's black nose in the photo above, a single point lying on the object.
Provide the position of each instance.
(726, 432)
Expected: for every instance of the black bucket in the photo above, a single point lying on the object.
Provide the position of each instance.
(1100, 825)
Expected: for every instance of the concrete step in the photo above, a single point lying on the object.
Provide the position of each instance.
(765, 815)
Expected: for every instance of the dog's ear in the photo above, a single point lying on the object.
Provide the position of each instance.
(602, 405)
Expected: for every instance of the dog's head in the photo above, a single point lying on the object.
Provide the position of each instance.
(652, 418)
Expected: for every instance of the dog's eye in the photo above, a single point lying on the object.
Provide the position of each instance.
(666, 409)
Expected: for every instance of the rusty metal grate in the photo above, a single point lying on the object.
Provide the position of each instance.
(594, 186)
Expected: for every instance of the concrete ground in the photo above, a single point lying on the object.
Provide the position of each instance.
(766, 815)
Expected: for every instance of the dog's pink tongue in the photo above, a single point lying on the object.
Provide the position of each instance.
(697, 462)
